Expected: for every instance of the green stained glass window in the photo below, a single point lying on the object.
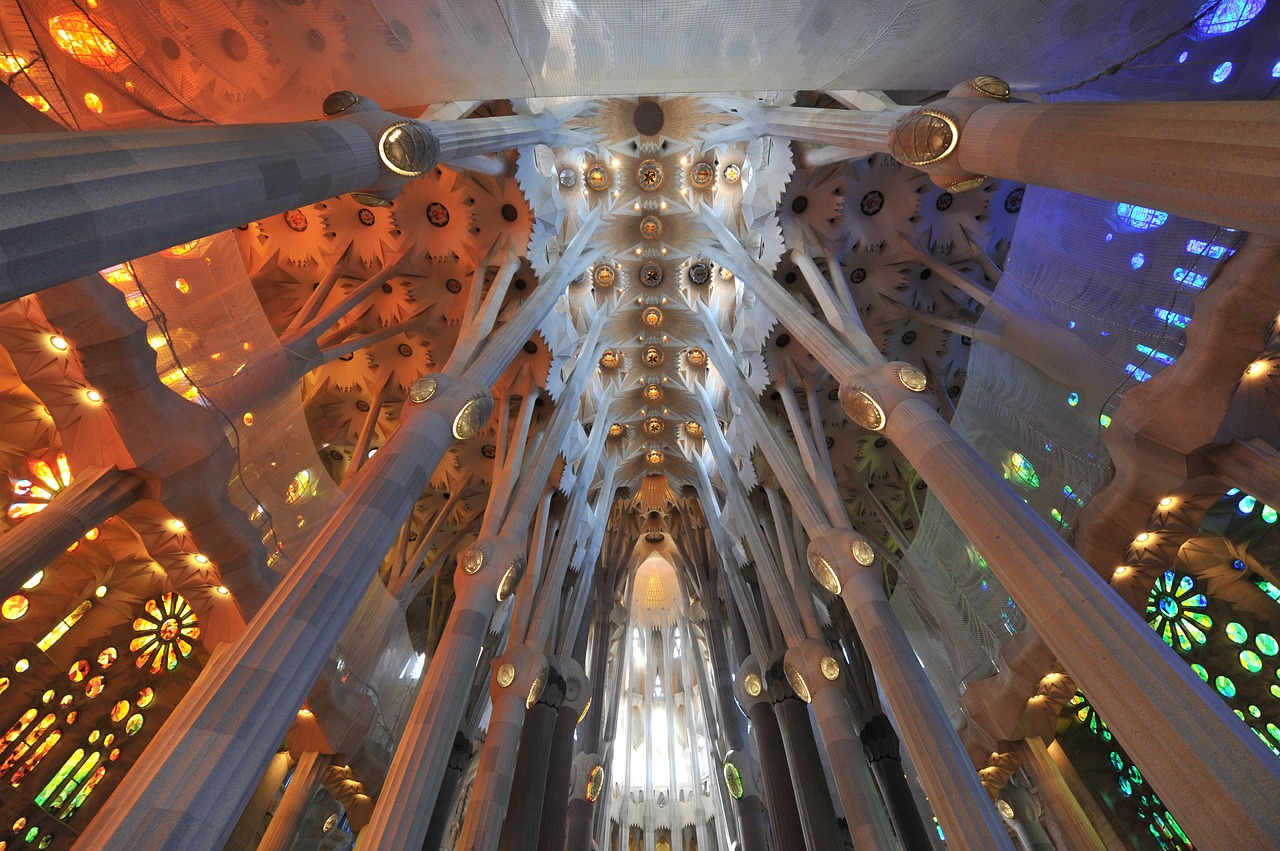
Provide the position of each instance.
(1255, 711)
(1135, 776)
(1273, 731)
(1171, 611)
(1250, 661)
(1117, 761)
(1267, 645)
(1201, 672)
(1225, 687)
(1237, 633)
(1020, 471)
(1125, 788)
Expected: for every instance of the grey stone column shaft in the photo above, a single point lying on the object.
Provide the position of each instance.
(293, 804)
(34, 542)
(74, 203)
(417, 769)
(779, 791)
(231, 724)
(482, 826)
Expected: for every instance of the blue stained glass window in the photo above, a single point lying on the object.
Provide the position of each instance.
(1182, 57)
(1156, 354)
(1222, 72)
(1229, 15)
(1275, 70)
(1205, 249)
(1172, 318)
(1141, 218)
(1191, 279)
(1247, 504)
(1138, 260)
(1073, 399)
(1136, 372)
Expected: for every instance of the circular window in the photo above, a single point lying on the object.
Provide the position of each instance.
(437, 214)
(366, 217)
(944, 201)
(649, 175)
(872, 203)
(651, 274)
(702, 174)
(1013, 201)
(15, 607)
(699, 273)
(296, 219)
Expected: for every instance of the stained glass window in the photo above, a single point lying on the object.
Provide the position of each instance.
(15, 607)
(165, 632)
(60, 629)
(1172, 611)
(31, 497)
(1140, 218)
(77, 37)
(1019, 470)
(1227, 15)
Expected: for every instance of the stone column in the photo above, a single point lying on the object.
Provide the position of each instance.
(880, 742)
(524, 806)
(555, 790)
(487, 570)
(74, 203)
(1021, 810)
(231, 725)
(459, 760)
(581, 805)
(293, 804)
(519, 677)
(779, 792)
(813, 796)
(1171, 722)
(946, 772)
(813, 672)
(741, 769)
(1158, 154)
(34, 542)
(1061, 806)
(1098, 814)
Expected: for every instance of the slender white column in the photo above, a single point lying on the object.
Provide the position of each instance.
(293, 804)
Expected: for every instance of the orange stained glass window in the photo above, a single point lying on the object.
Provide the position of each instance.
(93, 102)
(30, 496)
(78, 671)
(145, 697)
(39, 103)
(77, 37)
(165, 632)
(107, 658)
(26, 744)
(36, 757)
(95, 686)
(14, 607)
(120, 711)
(61, 627)
(16, 730)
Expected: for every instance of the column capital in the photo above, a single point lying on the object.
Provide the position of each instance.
(522, 672)
(927, 137)
(406, 148)
(749, 685)
(880, 740)
(469, 403)
(742, 775)
(492, 563)
(586, 778)
(810, 667)
(577, 687)
(870, 394)
(837, 556)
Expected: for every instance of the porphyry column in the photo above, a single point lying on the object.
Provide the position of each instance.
(779, 792)
(524, 809)
(813, 797)
(880, 742)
